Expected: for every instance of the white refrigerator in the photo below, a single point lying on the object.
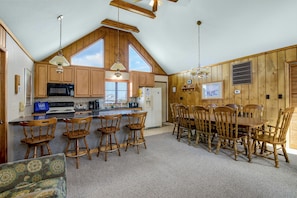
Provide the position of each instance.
(150, 99)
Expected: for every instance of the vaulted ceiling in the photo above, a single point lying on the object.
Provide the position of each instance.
(230, 28)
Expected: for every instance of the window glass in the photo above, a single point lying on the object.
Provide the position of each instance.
(137, 62)
(116, 92)
(90, 56)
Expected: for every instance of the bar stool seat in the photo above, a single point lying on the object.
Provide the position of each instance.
(108, 126)
(77, 129)
(136, 126)
(39, 133)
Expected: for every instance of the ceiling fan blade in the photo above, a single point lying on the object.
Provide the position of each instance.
(155, 6)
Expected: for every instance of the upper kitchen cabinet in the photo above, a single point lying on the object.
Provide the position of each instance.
(40, 80)
(146, 79)
(89, 82)
(66, 77)
(140, 79)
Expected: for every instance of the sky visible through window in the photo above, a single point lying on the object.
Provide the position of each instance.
(116, 92)
(90, 56)
(136, 62)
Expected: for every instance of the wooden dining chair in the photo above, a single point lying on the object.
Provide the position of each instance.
(38, 133)
(77, 129)
(185, 123)
(203, 125)
(227, 127)
(274, 135)
(108, 126)
(254, 111)
(173, 110)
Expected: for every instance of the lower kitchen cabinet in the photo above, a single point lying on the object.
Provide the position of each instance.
(89, 82)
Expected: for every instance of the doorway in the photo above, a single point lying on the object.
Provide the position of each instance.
(3, 121)
(163, 86)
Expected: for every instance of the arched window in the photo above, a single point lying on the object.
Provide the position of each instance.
(137, 62)
(90, 56)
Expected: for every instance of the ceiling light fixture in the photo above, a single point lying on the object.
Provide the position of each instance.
(59, 59)
(200, 72)
(118, 66)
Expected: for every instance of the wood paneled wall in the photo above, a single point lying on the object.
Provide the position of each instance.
(111, 48)
(269, 77)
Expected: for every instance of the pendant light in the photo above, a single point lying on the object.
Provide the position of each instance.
(59, 59)
(118, 66)
(200, 72)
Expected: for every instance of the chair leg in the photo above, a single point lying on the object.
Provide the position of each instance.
(142, 137)
(100, 144)
(48, 149)
(219, 145)
(35, 152)
(77, 152)
(209, 142)
(275, 156)
(28, 152)
(136, 141)
(235, 150)
(197, 138)
(106, 147)
(128, 139)
(88, 150)
(117, 144)
(285, 153)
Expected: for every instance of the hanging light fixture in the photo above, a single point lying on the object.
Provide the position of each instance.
(59, 59)
(200, 72)
(118, 66)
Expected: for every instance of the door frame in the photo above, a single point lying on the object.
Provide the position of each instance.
(3, 106)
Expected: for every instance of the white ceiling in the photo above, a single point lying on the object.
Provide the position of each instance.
(230, 28)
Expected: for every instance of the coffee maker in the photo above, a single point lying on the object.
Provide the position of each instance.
(94, 105)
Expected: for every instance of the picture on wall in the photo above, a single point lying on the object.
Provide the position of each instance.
(28, 87)
(213, 90)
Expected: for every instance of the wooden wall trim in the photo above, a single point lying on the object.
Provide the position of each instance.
(110, 47)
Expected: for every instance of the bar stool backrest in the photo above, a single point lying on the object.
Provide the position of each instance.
(109, 123)
(39, 129)
(76, 126)
(137, 120)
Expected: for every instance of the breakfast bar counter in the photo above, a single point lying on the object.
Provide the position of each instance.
(17, 149)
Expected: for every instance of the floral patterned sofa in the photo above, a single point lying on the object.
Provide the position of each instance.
(36, 177)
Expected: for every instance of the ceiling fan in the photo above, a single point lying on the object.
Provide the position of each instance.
(154, 3)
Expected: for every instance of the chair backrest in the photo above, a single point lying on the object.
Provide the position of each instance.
(236, 106)
(183, 115)
(253, 111)
(211, 107)
(78, 126)
(110, 123)
(283, 123)
(173, 110)
(226, 122)
(37, 129)
(202, 118)
(137, 120)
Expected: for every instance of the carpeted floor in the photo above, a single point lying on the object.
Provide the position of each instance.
(168, 168)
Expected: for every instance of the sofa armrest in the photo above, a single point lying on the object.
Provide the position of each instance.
(31, 170)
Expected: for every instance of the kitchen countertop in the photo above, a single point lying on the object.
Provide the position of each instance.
(79, 114)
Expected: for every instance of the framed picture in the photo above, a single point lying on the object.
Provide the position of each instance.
(28, 87)
(213, 90)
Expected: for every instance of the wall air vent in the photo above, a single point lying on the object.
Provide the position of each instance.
(242, 73)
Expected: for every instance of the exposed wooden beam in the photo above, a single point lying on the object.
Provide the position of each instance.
(132, 8)
(119, 25)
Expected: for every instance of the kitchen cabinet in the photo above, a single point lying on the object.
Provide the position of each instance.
(140, 79)
(40, 80)
(89, 82)
(146, 79)
(66, 77)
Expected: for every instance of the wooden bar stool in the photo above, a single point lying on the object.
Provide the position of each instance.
(108, 126)
(77, 129)
(39, 133)
(136, 124)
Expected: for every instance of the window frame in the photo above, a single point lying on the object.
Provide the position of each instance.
(117, 81)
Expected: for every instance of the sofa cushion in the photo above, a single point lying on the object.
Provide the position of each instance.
(53, 187)
(29, 171)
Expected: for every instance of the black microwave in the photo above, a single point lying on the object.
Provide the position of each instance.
(57, 89)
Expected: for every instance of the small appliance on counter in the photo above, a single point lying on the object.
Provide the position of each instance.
(94, 105)
(41, 107)
(133, 104)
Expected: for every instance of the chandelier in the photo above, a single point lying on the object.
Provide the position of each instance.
(200, 72)
(118, 66)
(59, 59)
